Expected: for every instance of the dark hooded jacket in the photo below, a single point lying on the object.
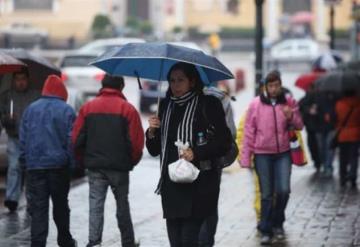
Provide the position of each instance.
(45, 129)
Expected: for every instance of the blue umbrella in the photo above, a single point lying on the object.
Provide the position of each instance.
(154, 60)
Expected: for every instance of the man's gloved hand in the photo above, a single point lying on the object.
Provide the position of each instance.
(22, 162)
(8, 122)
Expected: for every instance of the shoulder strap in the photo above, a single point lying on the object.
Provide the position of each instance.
(346, 119)
(203, 111)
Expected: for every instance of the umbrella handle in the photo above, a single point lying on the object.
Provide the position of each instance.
(138, 79)
(158, 99)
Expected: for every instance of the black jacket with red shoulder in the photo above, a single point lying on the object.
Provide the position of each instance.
(108, 133)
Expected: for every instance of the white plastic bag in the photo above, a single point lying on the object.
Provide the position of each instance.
(183, 171)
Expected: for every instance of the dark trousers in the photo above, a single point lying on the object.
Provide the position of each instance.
(183, 232)
(99, 182)
(349, 161)
(42, 185)
(314, 148)
(208, 227)
(208, 230)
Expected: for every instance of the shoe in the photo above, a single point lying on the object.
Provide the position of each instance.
(279, 233)
(73, 244)
(265, 240)
(11, 205)
(327, 174)
(342, 183)
(93, 245)
(353, 185)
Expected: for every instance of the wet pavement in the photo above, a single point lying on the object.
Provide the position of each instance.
(320, 212)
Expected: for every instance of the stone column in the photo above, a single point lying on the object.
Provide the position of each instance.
(320, 21)
(272, 27)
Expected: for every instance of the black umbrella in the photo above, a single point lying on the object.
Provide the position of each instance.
(9, 64)
(39, 67)
(353, 65)
(339, 81)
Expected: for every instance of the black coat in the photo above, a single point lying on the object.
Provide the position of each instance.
(312, 121)
(198, 199)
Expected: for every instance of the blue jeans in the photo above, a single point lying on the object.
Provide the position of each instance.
(326, 152)
(274, 172)
(14, 173)
(42, 185)
(99, 181)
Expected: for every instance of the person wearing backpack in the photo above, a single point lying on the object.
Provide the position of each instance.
(208, 227)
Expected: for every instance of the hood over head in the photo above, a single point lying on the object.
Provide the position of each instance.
(54, 86)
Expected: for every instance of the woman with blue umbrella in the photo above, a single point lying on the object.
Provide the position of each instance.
(187, 115)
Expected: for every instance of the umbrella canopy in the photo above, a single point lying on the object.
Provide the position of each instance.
(9, 64)
(353, 65)
(327, 61)
(339, 81)
(306, 80)
(302, 17)
(154, 60)
(39, 67)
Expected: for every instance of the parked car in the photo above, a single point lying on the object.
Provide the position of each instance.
(78, 74)
(295, 50)
(23, 34)
(99, 46)
(152, 89)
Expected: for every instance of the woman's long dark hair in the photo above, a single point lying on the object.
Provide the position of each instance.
(191, 73)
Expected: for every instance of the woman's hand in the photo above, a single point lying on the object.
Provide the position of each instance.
(288, 112)
(187, 154)
(154, 123)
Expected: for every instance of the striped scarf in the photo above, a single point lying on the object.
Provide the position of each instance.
(185, 129)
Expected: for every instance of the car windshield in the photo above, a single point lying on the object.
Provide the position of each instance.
(77, 61)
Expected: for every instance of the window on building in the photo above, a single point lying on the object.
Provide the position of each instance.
(293, 6)
(33, 4)
(232, 6)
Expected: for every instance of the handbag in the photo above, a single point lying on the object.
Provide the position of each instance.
(297, 151)
(334, 139)
(183, 171)
(230, 156)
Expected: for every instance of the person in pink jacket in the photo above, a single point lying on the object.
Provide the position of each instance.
(266, 136)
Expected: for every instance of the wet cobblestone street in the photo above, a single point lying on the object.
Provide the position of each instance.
(320, 212)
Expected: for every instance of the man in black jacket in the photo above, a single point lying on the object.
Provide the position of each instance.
(109, 138)
(310, 113)
(13, 104)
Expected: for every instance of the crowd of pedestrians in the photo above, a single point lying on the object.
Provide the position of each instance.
(47, 140)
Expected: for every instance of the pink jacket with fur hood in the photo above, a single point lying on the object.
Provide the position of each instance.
(266, 127)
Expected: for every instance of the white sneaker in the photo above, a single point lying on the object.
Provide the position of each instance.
(265, 240)
(279, 233)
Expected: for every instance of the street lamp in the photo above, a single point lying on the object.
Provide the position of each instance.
(332, 4)
(258, 45)
(332, 28)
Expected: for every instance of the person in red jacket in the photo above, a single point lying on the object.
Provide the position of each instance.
(348, 126)
(108, 138)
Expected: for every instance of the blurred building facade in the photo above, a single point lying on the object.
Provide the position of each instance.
(64, 18)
